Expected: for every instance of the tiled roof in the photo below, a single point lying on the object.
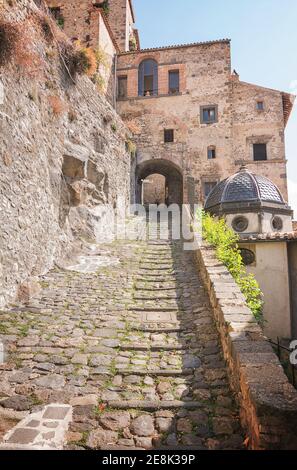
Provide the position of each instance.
(270, 236)
(244, 186)
(178, 46)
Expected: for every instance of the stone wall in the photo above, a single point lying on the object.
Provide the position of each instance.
(268, 402)
(251, 125)
(84, 22)
(205, 79)
(121, 19)
(80, 20)
(63, 159)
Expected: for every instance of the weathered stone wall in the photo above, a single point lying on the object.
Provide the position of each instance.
(205, 79)
(62, 157)
(80, 20)
(268, 402)
(251, 125)
(120, 18)
(88, 24)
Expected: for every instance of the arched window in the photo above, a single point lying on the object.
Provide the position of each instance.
(148, 78)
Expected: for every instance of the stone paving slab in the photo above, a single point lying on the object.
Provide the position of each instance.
(135, 378)
(44, 429)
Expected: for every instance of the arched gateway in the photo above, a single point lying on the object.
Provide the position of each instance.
(173, 182)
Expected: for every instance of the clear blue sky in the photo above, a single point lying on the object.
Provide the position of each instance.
(264, 41)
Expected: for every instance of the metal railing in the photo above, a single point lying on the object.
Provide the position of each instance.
(283, 354)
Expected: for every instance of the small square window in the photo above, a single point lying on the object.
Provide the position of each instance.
(211, 153)
(208, 187)
(260, 105)
(260, 152)
(168, 135)
(208, 114)
(173, 82)
(122, 87)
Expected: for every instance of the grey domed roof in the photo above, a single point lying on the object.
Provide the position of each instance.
(244, 187)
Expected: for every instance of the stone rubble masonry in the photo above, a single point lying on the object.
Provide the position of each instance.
(206, 79)
(56, 170)
(43, 430)
(268, 402)
(82, 21)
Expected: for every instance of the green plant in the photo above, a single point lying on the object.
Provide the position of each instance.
(130, 146)
(225, 240)
(61, 22)
(113, 127)
(99, 82)
(101, 57)
(79, 60)
(132, 43)
(105, 7)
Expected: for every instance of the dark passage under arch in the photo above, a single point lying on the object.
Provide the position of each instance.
(173, 179)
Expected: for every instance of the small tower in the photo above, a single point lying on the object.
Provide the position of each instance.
(121, 19)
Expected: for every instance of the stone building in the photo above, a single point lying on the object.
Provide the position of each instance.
(195, 123)
(198, 123)
(107, 26)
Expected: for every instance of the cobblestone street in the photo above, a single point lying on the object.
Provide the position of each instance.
(132, 347)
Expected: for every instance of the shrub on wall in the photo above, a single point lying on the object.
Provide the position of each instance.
(225, 241)
(57, 105)
(79, 60)
(17, 45)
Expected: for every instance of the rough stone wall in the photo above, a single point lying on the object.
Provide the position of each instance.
(205, 79)
(121, 21)
(62, 157)
(81, 20)
(86, 23)
(253, 126)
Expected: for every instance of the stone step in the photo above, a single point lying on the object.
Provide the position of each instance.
(153, 405)
(159, 269)
(145, 296)
(157, 372)
(141, 287)
(154, 278)
(160, 329)
(152, 347)
(148, 308)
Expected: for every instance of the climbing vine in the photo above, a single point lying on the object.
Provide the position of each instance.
(225, 241)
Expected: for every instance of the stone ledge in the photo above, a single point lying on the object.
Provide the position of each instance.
(268, 402)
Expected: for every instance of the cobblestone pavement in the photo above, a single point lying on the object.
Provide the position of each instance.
(133, 347)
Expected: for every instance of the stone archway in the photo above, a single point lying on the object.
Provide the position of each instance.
(173, 179)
